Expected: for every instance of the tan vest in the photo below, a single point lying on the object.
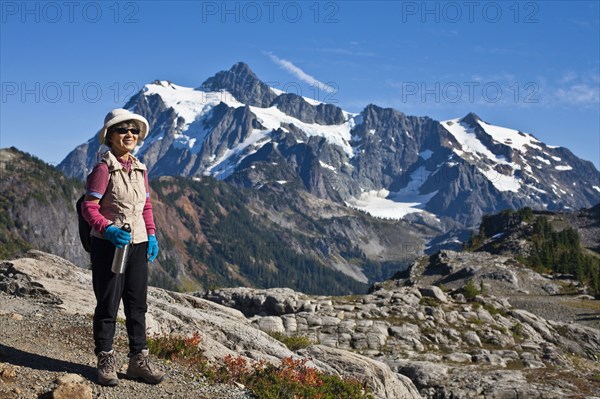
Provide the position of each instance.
(125, 197)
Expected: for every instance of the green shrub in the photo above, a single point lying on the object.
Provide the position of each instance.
(182, 350)
(293, 343)
(476, 321)
(492, 310)
(292, 379)
(470, 290)
(475, 241)
(517, 330)
(429, 301)
(443, 287)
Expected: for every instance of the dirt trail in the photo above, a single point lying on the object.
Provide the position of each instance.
(39, 343)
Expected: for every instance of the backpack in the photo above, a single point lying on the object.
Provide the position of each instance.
(85, 229)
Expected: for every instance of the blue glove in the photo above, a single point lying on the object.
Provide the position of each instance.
(152, 248)
(117, 236)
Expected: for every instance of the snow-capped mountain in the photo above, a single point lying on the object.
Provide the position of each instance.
(382, 161)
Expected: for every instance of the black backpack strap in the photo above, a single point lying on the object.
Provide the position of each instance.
(85, 229)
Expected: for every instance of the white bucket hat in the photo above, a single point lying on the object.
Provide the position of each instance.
(121, 115)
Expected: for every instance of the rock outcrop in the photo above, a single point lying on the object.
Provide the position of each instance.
(407, 338)
(224, 331)
(447, 346)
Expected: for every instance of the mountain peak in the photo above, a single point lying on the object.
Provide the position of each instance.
(241, 68)
(243, 84)
(471, 119)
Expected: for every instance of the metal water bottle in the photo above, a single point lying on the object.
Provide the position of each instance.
(121, 255)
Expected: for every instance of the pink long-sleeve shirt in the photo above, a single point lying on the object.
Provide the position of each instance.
(96, 185)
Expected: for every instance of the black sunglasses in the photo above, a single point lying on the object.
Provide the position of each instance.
(124, 130)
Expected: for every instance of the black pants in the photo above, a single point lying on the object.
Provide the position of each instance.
(110, 288)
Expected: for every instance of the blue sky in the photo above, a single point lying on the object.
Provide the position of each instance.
(532, 65)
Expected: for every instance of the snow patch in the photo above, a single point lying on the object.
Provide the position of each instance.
(277, 91)
(188, 102)
(510, 137)
(307, 99)
(271, 118)
(528, 169)
(471, 145)
(377, 204)
(539, 190)
(327, 166)
(225, 165)
(536, 147)
(473, 150)
(501, 181)
(193, 106)
(563, 167)
(544, 160)
(395, 205)
(465, 135)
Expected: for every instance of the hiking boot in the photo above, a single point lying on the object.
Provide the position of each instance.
(107, 369)
(140, 367)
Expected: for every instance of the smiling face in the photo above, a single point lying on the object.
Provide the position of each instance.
(123, 138)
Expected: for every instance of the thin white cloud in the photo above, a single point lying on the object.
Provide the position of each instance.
(516, 50)
(343, 51)
(578, 94)
(300, 74)
(573, 88)
(570, 88)
(502, 78)
(568, 77)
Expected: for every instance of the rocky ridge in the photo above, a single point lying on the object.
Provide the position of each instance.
(35, 198)
(587, 223)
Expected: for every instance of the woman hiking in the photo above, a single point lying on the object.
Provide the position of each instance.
(117, 194)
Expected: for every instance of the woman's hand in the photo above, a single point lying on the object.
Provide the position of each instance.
(152, 248)
(117, 236)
